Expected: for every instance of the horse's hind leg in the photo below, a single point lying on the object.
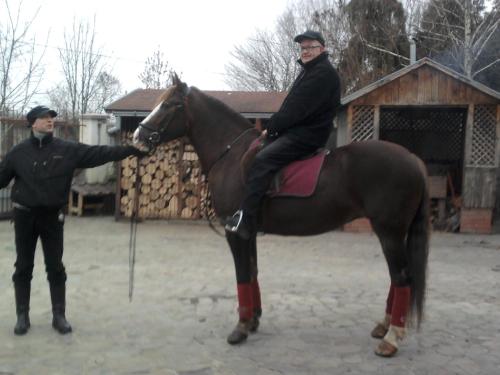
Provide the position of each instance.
(398, 300)
(382, 327)
(242, 250)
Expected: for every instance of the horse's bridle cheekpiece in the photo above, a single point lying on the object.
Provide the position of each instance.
(154, 137)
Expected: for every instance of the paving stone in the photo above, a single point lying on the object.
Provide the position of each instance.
(321, 296)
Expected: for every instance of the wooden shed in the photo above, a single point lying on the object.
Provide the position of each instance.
(449, 121)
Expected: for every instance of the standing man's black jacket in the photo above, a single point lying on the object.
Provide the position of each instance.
(310, 106)
(43, 170)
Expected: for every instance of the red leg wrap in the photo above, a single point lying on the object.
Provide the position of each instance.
(245, 301)
(400, 306)
(390, 298)
(256, 295)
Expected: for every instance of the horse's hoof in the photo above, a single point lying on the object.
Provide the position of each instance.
(239, 334)
(385, 349)
(379, 331)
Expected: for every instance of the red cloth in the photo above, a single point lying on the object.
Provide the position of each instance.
(299, 179)
(400, 306)
(256, 304)
(245, 301)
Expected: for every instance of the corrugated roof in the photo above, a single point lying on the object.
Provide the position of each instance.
(425, 61)
(143, 100)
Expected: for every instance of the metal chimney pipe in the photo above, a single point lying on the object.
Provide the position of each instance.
(413, 51)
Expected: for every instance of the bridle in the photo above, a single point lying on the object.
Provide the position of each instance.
(154, 137)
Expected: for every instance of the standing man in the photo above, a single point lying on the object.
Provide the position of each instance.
(42, 167)
(301, 126)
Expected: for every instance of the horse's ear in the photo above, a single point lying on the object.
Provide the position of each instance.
(181, 86)
(175, 79)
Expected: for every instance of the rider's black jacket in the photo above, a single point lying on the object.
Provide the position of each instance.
(43, 169)
(310, 106)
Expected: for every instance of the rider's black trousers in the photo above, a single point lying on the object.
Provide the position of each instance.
(46, 224)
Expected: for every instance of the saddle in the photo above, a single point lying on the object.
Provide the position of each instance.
(297, 179)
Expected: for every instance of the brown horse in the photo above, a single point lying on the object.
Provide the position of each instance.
(374, 179)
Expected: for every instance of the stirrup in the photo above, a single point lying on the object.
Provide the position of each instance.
(233, 224)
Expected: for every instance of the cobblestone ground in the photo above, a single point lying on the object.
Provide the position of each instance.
(321, 296)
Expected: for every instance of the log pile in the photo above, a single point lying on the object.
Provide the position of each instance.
(172, 185)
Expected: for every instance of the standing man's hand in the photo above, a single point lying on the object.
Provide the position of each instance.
(138, 152)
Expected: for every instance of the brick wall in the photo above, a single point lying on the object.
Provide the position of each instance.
(476, 220)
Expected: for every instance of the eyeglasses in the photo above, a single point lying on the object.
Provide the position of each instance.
(308, 49)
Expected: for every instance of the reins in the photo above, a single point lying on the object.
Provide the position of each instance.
(133, 231)
(220, 157)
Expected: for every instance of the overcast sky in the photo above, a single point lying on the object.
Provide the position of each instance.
(196, 36)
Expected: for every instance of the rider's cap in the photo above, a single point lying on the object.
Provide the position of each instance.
(311, 35)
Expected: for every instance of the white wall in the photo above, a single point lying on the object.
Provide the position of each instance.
(94, 131)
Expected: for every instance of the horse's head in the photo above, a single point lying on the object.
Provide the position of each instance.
(167, 121)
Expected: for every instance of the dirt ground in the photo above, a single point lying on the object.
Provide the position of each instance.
(321, 296)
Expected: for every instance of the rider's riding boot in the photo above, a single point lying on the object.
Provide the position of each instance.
(58, 297)
(241, 224)
(22, 293)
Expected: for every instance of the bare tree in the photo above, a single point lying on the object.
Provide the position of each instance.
(60, 100)
(458, 32)
(268, 60)
(20, 60)
(157, 73)
(82, 66)
(108, 89)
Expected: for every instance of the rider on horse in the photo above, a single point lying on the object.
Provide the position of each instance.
(300, 127)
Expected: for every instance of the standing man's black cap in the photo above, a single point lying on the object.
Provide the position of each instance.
(39, 111)
(311, 35)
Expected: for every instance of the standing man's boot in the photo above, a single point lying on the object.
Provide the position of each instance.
(58, 297)
(22, 294)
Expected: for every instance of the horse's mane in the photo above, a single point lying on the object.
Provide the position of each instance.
(230, 113)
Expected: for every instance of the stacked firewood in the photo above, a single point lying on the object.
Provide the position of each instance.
(171, 183)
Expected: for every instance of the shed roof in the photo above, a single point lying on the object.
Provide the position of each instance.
(425, 61)
(144, 100)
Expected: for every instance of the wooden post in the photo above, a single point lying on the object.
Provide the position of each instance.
(258, 124)
(349, 124)
(469, 128)
(376, 122)
(181, 169)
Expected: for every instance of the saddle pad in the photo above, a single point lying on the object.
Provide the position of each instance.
(298, 179)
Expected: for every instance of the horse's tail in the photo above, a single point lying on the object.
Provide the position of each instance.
(417, 245)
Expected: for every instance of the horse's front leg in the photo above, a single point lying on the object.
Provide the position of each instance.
(256, 302)
(242, 255)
